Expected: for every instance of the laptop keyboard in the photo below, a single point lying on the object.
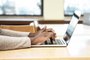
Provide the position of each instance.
(60, 42)
(56, 42)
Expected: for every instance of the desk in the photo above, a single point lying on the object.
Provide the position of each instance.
(78, 48)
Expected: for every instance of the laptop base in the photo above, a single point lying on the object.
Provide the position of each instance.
(44, 46)
(63, 44)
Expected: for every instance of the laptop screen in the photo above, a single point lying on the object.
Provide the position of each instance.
(72, 25)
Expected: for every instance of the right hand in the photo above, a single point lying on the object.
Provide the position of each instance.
(42, 35)
(39, 39)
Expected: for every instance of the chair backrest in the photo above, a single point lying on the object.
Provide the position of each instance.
(23, 28)
(36, 25)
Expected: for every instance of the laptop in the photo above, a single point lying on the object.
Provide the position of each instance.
(64, 41)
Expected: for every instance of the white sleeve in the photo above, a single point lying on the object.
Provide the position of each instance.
(7, 42)
(13, 33)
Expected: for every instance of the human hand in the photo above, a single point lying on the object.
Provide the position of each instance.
(44, 29)
(36, 33)
(54, 34)
(39, 39)
(42, 35)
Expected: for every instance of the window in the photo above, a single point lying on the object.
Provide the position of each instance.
(71, 5)
(21, 7)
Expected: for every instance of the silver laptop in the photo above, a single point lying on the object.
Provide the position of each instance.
(64, 41)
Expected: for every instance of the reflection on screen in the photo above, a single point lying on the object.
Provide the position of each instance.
(72, 25)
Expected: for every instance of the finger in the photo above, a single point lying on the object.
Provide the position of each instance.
(53, 36)
(38, 28)
(49, 30)
(51, 40)
(44, 28)
(49, 35)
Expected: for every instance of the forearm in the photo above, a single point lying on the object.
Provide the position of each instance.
(7, 42)
(13, 33)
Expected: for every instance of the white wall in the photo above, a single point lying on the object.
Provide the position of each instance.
(53, 9)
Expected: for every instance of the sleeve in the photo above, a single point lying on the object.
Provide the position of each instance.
(7, 42)
(7, 32)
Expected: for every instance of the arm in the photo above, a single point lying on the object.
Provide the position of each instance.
(7, 32)
(7, 42)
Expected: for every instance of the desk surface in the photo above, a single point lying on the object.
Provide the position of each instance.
(78, 48)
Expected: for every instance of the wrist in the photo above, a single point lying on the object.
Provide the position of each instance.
(32, 40)
(31, 35)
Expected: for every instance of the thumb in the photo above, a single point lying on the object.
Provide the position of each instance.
(44, 28)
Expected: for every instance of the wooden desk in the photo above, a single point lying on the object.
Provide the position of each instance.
(78, 49)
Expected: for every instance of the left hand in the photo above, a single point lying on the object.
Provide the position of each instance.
(42, 30)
